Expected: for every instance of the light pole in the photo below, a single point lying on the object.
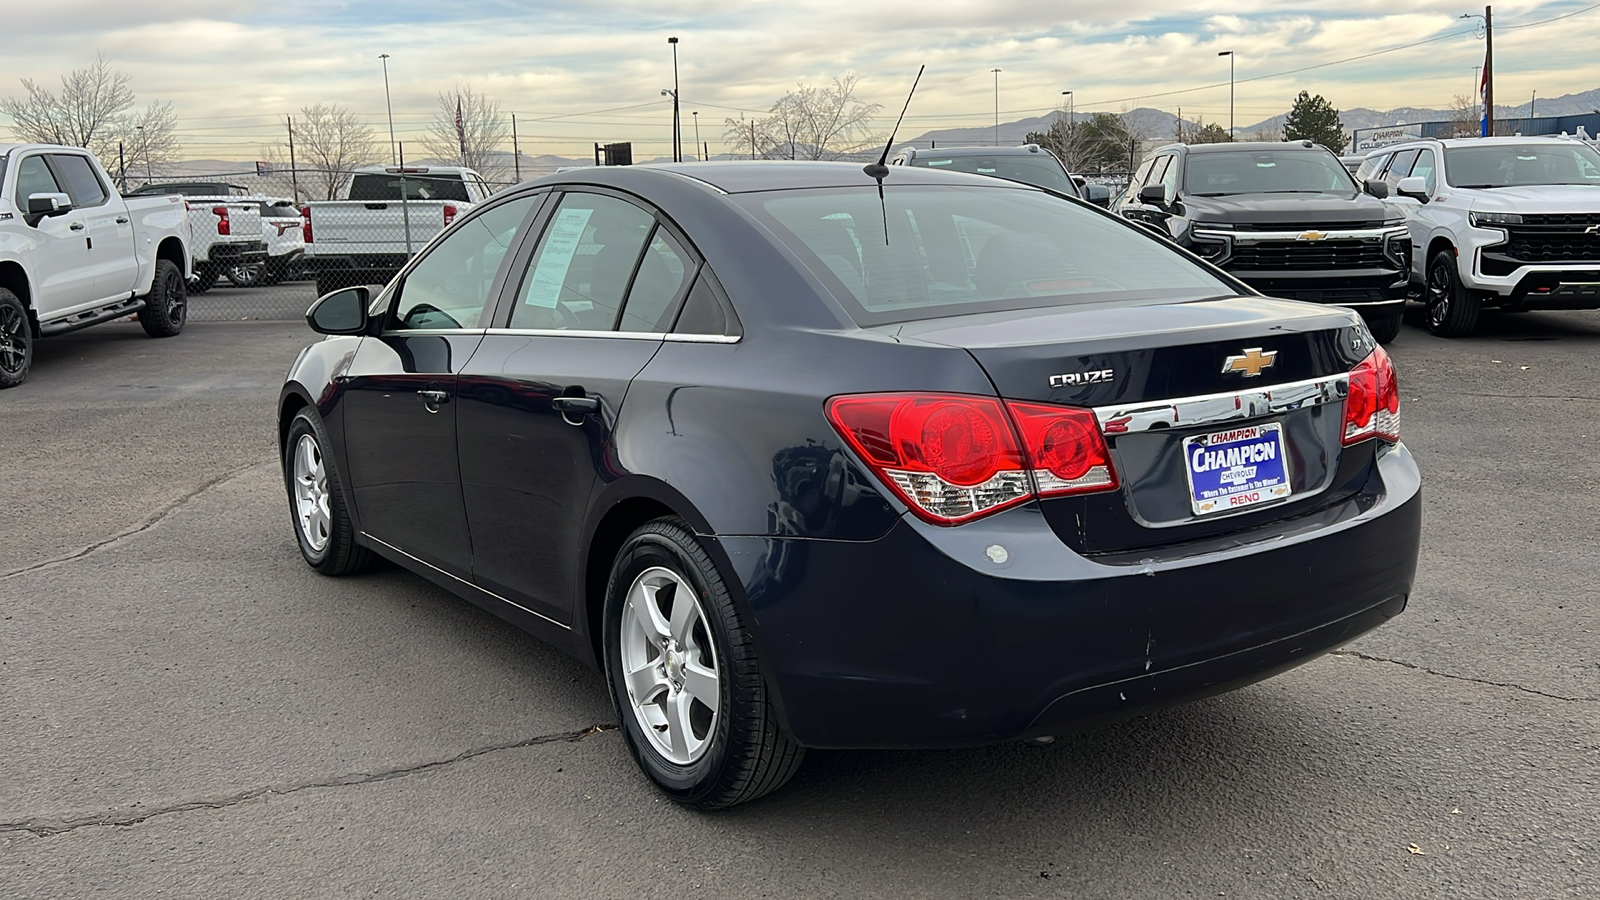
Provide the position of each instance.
(1531, 105)
(696, 116)
(1072, 130)
(1229, 55)
(387, 103)
(996, 106)
(677, 134)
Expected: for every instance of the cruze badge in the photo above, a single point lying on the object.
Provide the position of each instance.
(1250, 362)
(1311, 236)
(1078, 379)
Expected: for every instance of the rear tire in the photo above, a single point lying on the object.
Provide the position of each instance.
(1385, 328)
(166, 307)
(316, 506)
(247, 275)
(670, 621)
(205, 278)
(1452, 311)
(16, 340)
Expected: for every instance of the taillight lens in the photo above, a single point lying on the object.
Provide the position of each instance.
(449, 214)
(305, 213)
(955, 457)
(1373, 408)
(223, 225)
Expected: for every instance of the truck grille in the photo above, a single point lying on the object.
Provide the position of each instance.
(1309, 255)
(1553, 238)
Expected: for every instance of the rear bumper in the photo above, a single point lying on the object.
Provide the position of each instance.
(921, 639)
(236, 253)
(385, 263)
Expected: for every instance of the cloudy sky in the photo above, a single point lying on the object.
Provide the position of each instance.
(575, 73)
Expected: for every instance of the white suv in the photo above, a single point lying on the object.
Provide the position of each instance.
(1510, 222)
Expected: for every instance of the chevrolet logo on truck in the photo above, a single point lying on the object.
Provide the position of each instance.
(1311, 235)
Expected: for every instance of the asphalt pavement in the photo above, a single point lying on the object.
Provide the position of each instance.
(191, 712)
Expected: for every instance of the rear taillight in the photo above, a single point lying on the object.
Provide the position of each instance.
(223, 225)
(449, 215)
(955, 457)
(305, 213)
(1373, 408)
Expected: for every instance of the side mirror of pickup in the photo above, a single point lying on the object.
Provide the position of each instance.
(1098, 194)
(341, 312)
(1413, 186)
(44, 205)
(1154, 195)
(1377, 189)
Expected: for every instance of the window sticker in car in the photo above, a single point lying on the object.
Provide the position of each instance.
(560, 245)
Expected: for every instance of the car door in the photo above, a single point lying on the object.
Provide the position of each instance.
(107, 226)
(583, 313)
(398, 395)
(59, 265)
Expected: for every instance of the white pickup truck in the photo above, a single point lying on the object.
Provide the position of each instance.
(225, 227)
(387, 215)
(74, 253)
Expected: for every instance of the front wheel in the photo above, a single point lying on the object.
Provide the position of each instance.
(321, 522)
(16, 340)
(1452, 310)
(693, 706)
(166, 308)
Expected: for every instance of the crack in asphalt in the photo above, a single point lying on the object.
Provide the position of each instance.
(150, 522)
(1484, 681)
(51, 828)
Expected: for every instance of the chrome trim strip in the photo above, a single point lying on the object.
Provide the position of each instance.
(623, 335)
(464, 581)
(1214, 409)
(410, 332)
(1252, 237)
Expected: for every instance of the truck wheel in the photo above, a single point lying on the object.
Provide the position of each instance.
(16, 340)
(166, 307)
(247, 275)
(691, 701)
(1385, 327)
(205, 279)
(327, 539)
(1452, 310)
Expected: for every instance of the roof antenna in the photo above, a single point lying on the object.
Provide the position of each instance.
(878, 169)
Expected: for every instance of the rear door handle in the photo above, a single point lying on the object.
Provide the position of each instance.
(122, 220)
(582, 405)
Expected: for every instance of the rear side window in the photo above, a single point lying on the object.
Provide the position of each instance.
(707, 310)
(953, 250)
(83, 185)
(664, 272)
(584, 264)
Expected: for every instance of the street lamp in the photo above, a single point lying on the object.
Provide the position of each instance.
(389, 104)
(697, 153)
(1229, 55)
(996, 106)
(1072, 129)
(677, 134)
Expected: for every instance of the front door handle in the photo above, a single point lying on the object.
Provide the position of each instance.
(76, 226)
(432, 400)
(580, 405)
(122, 220)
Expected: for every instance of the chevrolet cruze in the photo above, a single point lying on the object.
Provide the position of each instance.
(811, 455)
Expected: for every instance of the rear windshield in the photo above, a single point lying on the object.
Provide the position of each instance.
(186, 189)
(1034, 168)
(954, 250)
(1508, 165)
(384, 186)
(1266, 172)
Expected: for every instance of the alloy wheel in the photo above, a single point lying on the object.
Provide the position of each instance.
(174, 296)
(13, 340)
(312, 513)
(1440, 289)
(669, 665)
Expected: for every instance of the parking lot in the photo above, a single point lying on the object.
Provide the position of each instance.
(192, 712)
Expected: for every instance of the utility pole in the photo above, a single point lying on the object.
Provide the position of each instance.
(1531, 103)
(1229, 55)
(996, 106)
(677, 128)
(122, 167)
(388, 103)
(516, 152)
(696, 116)
(1071, 147)
(294, 176)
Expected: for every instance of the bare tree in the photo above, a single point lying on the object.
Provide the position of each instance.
(1465, 117)
(330, 142)
(810, 123)
(93, 110)
(467, 126)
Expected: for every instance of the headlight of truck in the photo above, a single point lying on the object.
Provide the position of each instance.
(1213, 243)
(1495, 219)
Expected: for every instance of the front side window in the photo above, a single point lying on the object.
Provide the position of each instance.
(1516, 165)
(450, 286)
(1266, 172)
(1399, 168)
(33, 177)
(582, 268)
(1371, 166)
(955, 250)
(1426, 169)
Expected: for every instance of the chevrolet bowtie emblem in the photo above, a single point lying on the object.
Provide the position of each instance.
(1592, 229)
(1311, 235)
(1250, 363)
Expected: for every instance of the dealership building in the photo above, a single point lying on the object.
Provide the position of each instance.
(1368, 139)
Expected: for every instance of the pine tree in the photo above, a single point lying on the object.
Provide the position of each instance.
(1315, 119)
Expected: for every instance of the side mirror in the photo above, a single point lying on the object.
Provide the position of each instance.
(341, 312)
(1413, 186)
(43, 205)
(1377, 189)
(1153, 194)
(1098, 194)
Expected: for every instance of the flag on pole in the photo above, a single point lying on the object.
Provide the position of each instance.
(461, 128)
(1483, 99)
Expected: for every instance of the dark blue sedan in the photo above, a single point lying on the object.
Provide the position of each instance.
(804, 457)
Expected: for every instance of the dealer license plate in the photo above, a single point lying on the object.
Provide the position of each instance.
(1236, 468)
